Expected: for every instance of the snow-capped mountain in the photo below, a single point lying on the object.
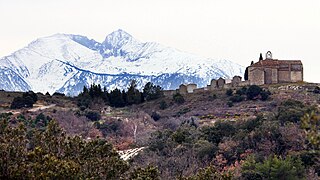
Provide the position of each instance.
(65, 63)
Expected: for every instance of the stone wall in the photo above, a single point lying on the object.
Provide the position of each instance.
(169, 92)
(244, 83)
(183, 89)
(191, 87)
(235, 81)
(221, 82)
(199, 90)
(284, 76)
(213, 84)
(274, 76)
(296, 76)
(256, 76)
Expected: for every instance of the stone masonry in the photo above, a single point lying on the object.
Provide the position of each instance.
(272, 71)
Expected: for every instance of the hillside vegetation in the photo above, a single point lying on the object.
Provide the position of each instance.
(268, 132)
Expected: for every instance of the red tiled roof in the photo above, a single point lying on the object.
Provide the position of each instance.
(275, 62)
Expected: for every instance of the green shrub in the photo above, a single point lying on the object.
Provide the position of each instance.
(290, 111)
(30, 94)
(236, 98)
(229, 92)
(230, 103)
(183, 111)
(149, 172)
(253, 92)
(163, 105)
(265, 95)
(242, 91)
(155, 116)
(316, 90)
(93, 115)
(214, 134)
(212, 97)
(273, 168)
(22, 102)
(178, 98)
(205, 150)
(182, 135)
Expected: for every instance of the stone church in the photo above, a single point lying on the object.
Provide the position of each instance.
(272, 71)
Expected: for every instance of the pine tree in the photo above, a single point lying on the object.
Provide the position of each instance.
(260, 58)
(133, 94)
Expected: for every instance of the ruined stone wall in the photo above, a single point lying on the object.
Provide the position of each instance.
(199, 90)
(244, 83)
(236, 80)
(213, 84)
(221, 82)
(183, 89)
(169, 92)
(191, 88)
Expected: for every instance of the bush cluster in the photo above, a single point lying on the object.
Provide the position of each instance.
(178, 98)
(27, 100)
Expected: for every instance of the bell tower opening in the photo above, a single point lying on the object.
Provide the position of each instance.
(269, 55)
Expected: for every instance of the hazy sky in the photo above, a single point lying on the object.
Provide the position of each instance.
(237, 30)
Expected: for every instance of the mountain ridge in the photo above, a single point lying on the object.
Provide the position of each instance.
(56, 62)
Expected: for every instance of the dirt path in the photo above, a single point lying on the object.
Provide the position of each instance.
(34, 109)
(41, 107)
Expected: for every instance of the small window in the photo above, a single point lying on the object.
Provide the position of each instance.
(284, 67)
(296, 67)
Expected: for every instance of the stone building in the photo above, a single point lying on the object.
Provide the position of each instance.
(221, 82)
(183, 89)
(213, 84)
(191, 88)
(236, 80)
(272, 71)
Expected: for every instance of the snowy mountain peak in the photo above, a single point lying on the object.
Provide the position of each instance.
(66, 62)
(117, 43)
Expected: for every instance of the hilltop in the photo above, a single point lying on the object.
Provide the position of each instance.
(204, 108)
(204, 130)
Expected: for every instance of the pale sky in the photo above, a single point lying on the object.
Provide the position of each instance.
(237, 30)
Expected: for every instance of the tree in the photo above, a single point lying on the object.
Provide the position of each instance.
(151, 91)
(30, 94)
(51, 154)
(116, 98)
(260, 58)
(273, 168)
(246, 74)
(22, 102)
(311, 125)
(133, 94)
(148, 173)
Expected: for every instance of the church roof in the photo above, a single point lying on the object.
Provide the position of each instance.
(275, 62)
